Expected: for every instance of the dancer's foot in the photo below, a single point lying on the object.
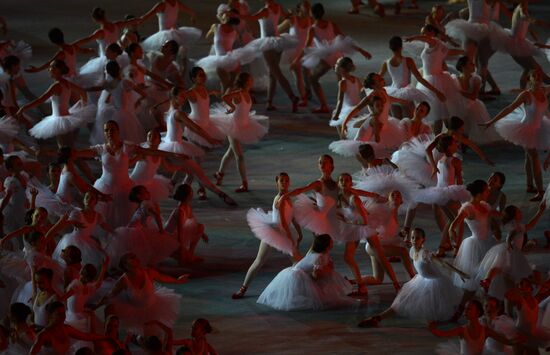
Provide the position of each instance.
(219, 178)
(240, 294)
(201, 192)
(226, 199)
(371, 322)
(302, 103)
(397, 8)
(396, 286)
(361, 292)
(538, 197)
(379, 10)
(242, 188)
(353, 11)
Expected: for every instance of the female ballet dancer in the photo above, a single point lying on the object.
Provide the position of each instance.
(14, 204)
(470, 107)
(298, 25)
(67, 53)
(226, 61)
(527, 322)
(430, 295)
(349, 92)
(121, 107)
(324, 45)
(273, 230)
(135, 292)
(149, 245)
(272, 45)
(527, 127)
(64, 120)
(400, 69)
(415, 126)
(164, 64)
(310, 284)
(471, 251)
(244, 127)
(22, 334)
(505, 263)
(198, 344)
(433, 64)
(84, 222)
(472, 336)
(184, 227)
(167, 12)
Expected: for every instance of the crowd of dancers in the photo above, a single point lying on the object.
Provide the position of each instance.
(80, 253)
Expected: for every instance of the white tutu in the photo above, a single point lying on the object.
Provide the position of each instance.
(20, 49)
(182, 147)
(131, 129)
(216, 126)
(9, 128)
(295, 289)
(504, 41)
(409, 93)
(317, 215)
(48, 200)
(385, 179)
(268, 231)
(529, 135)
(184, 36)
(442, 195)
(91, 250)
(350, 147)
(92, 72)
(329, 52)
(462, 30)
(230, 61)
(351, 232)
(249, 133)
(406, 126)
(471, 253)
(52, 126)
(412, 161)
(160, 187)
(276, 43)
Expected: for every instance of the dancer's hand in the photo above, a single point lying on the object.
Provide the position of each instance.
(365, 54)
(33, 191)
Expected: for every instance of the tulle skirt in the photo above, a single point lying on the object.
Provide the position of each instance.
(131, 129)
(427, 299)
(215, 126)
(317, 215)
(293, 289)
(118, 211)
(50, 201)
(351, 232)
(92, 73)
(529, 135)
(274, 43)
(412, 161)
(409, 93)
(474, 112)
(160, 187)
(9, 128)
(181, 147)
(469, 256)
(250, 132)
(463, 30)
(350, 148)
(504, 41)
(52, 126)
(441, 109)
(230, 61)
(263, 227)
(150, 246)
(442, 195)
(20, 49)
(328, 52)
(184, 36)
(346, 109)
(162, 305)
(91, 250)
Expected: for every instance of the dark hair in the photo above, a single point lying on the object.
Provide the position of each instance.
(114, 47)
(497, 302)
(366, 151)
(455, 123)
(501, 176)
(194, 72)
(344, 174)
(183, 350)
(152, 343)
(90, 271)
(112, 122)
(280, 175)
(74, 255)
(204, 323)
(98, 14)
(174, 92)
(56, 36)
(45, 272)
(53, 306)
(10, 161)
(64, 154)
(427, 105)
(396, 43)
(20, 311)
(326, 156)
(61, 66)
(33, 237)
(174, 46)
(509, 213)
(10, 61)
(461, 63)
(234, 20)
(444, 142)
(346, 63)
(134, 192)
(84, 351)
(318, 11)
(123, 259)
(369, 80)
(54, 165)
(242, 79)
(420, 231)
(321, 243)
(182, 192)
(129, 17)
(113, 69)
(476, 187)
(131, 48)
(478, 305)
(431, 28)
(28, 216)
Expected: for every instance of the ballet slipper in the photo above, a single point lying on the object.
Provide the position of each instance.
(240, 294)
(242, 188)
(538, 197)
(219, 178)
(371, 322)
(226, 199)
(302, 103)
(201, 192)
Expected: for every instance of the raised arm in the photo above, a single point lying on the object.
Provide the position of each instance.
(520, 100)
(315, 186)
(97, 34)
(361, 105)
(414, 71)
(40, 100)
(33, 69)
(189, 123)
(422, 38)
(470, 144)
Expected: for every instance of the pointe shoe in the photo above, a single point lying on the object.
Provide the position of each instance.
(219, 178)
(201, 192)
(538, 197)
(242, 188)
(240, 294)
(302, 103)
(227, 200)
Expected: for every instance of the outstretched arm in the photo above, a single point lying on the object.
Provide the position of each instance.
(520, 100)
(414, 71)
(451, 333)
